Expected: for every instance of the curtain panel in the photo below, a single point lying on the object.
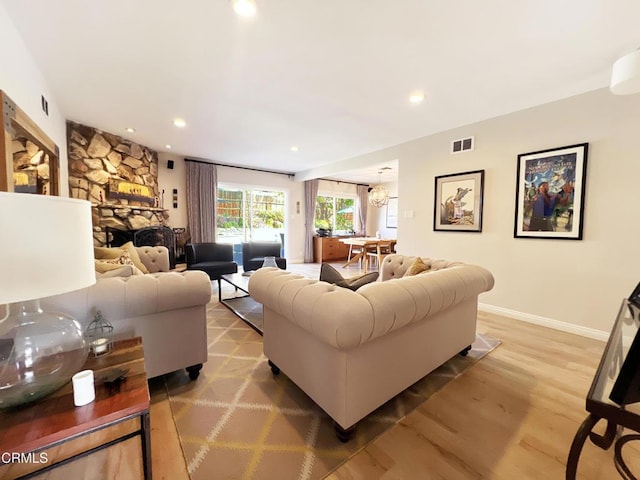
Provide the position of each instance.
(361, 207)
(310, 194)
(202, 187)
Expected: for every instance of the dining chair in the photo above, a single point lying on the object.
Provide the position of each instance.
(353, 251)
(382, 249)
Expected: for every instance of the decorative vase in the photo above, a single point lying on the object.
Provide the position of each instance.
(39, 353)
(269, 262)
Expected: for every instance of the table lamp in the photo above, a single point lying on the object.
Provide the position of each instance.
(46, 248)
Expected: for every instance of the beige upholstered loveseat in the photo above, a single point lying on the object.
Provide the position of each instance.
(167, 309)
(351, 351)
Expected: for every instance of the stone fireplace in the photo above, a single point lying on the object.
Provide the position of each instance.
(100, 162)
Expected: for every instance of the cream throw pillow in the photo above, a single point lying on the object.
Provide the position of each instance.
(418, 266)
(106, 253)
(121, 271)
(135, 258)
(103, 266)
(108, 265)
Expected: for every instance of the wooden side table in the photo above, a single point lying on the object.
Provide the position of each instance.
(54, 430)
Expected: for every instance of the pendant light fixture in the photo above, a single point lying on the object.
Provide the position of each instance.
(379, 195)
(625, 75)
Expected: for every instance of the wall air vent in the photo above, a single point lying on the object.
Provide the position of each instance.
(462, 145)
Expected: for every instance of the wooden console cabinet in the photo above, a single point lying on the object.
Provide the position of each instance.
(329, 249)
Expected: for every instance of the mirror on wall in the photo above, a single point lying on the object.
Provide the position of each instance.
(29, 159)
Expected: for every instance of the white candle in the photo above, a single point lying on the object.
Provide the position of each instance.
(83, 389)
(99, 345)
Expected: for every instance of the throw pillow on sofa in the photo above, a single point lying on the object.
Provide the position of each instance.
(106, 253)
(331, 275)
(418, 266)
(112, 253)
(121, 271)
(135, 258)
(107, 265)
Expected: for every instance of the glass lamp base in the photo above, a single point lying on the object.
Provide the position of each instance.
(269, 262)
(39, 353)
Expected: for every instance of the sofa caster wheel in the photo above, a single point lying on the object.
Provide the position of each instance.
(274, 368)
(344, 435)
(194, 371)
(465, 351)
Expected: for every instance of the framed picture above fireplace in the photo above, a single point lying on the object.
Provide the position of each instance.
(130, 191)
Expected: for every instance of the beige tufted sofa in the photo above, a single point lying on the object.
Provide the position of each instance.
(351, 351)
(167, 309)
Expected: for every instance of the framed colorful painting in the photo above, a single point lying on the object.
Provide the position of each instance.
(458, 202)
(550, 189)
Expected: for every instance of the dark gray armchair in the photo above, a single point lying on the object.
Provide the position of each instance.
(215, 259)
(253, 254)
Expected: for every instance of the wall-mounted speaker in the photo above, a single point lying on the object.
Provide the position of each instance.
(170, 164)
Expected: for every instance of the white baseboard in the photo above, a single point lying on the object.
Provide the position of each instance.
(546, 322)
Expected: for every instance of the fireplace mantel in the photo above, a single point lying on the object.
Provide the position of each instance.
(114, 206)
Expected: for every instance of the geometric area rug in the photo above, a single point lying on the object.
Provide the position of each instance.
(239, 421)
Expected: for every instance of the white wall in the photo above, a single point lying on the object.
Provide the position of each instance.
(170, 179)
(294, 192)
(573, 285)
(377, 217)
(22, 81)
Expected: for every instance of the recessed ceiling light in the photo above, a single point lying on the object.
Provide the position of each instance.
(179, 122)
(416, 96)
(167, 146)
(294, 148)
(130, 130)
(244, 8)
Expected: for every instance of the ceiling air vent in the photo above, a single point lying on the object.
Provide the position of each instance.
(462, 145)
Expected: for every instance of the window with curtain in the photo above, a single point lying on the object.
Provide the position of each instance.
(335, 213)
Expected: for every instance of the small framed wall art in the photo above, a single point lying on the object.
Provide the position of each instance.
(392, 213)
(550, 187)
(458, 202)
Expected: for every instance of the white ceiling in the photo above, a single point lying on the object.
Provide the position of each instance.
(331, 76)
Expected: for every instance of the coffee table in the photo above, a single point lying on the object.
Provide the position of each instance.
(241, 304)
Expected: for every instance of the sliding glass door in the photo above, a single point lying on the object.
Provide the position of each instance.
(249, 214)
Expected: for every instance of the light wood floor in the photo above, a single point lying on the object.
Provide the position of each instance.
(511, 416)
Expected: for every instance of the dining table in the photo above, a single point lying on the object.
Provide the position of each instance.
(367, 245)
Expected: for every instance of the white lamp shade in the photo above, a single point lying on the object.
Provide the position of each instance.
(625, 76)
(46, 246)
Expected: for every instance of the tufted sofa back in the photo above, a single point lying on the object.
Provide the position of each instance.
(156, 258)
(395, 266)
(346, 319)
